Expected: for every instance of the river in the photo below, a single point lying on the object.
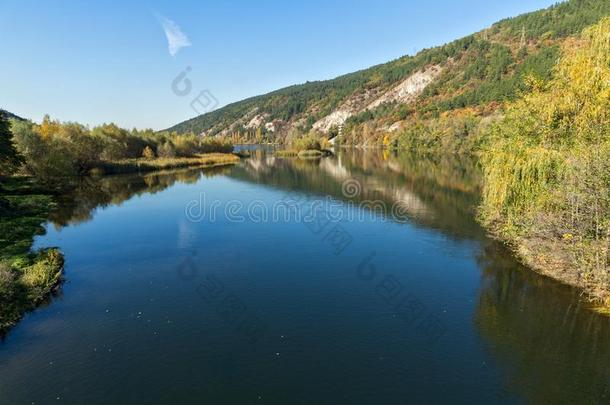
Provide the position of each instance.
(357, 278)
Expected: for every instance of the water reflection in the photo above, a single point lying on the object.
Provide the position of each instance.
(553, 347)
(80, 198)
(436, 194)
(549, 346)
(556, 348)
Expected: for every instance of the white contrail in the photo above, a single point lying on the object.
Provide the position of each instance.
(176, 39)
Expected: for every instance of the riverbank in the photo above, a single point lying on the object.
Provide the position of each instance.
(26, 277)
(546, 170)
(555, 257)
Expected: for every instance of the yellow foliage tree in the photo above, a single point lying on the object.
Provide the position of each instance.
(387, 140)
(48, 128)
(547, 163)
(148, 153)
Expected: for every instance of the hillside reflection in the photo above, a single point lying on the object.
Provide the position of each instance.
(554, 348)
(441, 194)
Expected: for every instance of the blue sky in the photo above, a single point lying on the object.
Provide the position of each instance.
(109, 61)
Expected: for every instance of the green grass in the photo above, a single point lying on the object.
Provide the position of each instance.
(26, 277)
(26, 281)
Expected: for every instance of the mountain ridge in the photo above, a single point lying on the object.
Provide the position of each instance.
(478, 72)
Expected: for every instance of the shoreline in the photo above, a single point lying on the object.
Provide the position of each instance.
(28, 278)
(551, 258)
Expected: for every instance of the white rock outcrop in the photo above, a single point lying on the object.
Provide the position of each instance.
(405, 92)
(257, 121)
(337, 118)
(397, 126)
(408, 90)
(271, 126)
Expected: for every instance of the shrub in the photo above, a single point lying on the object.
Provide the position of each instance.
(7, 282)
(46, 157)
(148, 153)
(212, 145)
(186, 145)
(308, 142)
(166, 150)
(43, 274)
(310, 154)
(286, 153)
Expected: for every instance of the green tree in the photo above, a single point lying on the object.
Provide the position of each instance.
(166, 150)
(44, 158)
(9, 157)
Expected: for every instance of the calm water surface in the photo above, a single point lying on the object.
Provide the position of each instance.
(360, 304)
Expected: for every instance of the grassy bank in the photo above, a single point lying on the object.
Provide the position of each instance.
(26, 277)
(147, 165)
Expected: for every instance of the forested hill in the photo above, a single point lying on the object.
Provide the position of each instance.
(10, 116)
(472, 75)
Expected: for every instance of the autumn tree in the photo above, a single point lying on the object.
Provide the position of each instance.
(547, 163)
(148, 153)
